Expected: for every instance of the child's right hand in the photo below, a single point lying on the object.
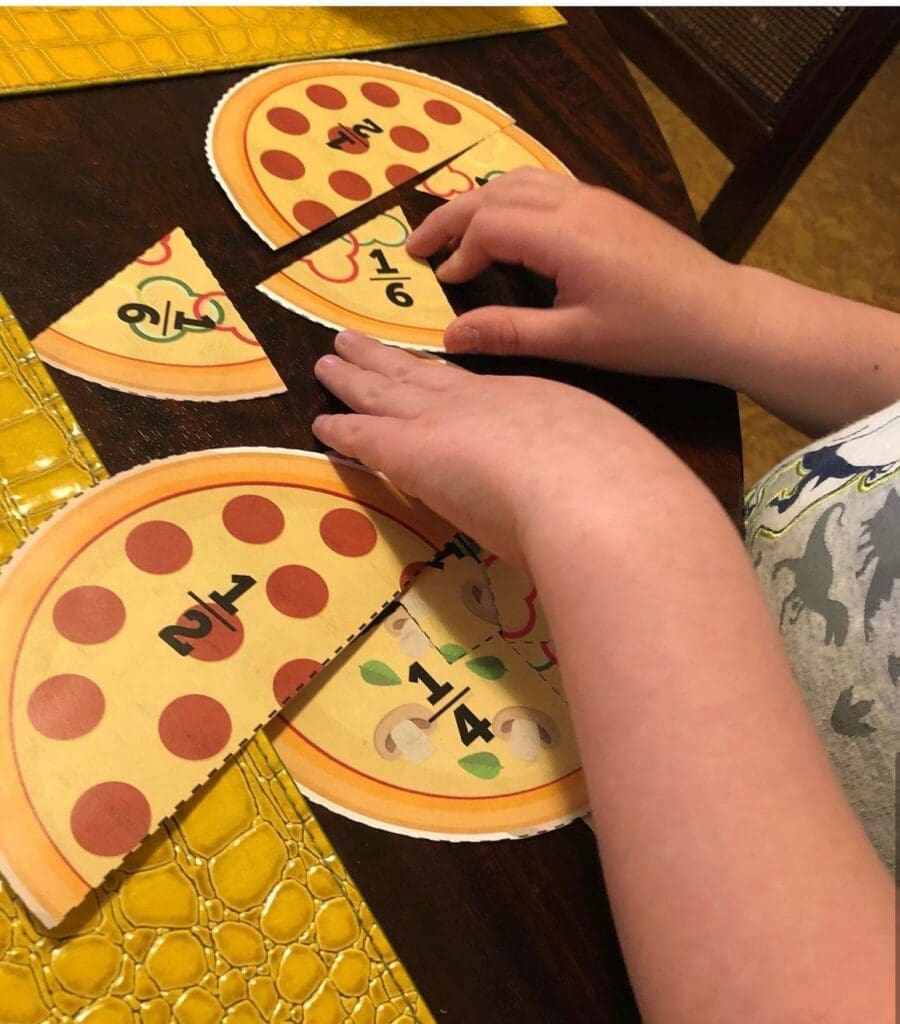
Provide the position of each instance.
(633, 293)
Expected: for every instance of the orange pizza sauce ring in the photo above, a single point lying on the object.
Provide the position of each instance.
(298, 145)
(157, 621)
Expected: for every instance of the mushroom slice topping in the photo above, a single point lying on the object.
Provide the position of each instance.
(527, 730)
(412, 640)
(402, 733)
(479, 600)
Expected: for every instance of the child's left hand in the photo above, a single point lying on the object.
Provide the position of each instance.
(506, 459)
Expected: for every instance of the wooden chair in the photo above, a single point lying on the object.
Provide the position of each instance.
(765, 84)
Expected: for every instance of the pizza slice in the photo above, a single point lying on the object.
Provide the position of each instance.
(156, 621)
(162, 327)
(501, 152)
(367, 281)
(397, 737)
(516, 599)
(299, 145)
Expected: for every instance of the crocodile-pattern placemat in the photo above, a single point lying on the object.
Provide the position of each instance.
(44, 48)
(44, 457)
(238, 910)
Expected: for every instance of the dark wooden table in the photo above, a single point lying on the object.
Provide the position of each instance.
(492, 932)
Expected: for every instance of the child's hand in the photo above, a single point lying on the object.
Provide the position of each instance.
(506, 459)
(633, 293)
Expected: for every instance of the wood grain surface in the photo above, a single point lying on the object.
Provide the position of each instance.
(492, 932)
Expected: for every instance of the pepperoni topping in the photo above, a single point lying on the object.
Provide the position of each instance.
(327, 96)
(292, 676)
(443, 113)
(220, 642)
(348, 532)
(282, 165)
(66, 706)
(311, 215)
(297, 591)
(396, 174)
(110, 819)
(380, 94)
(410, 139)
(289, 121)
(349, 185)
(253, 519)
(410, 572)
(158, 547)
(194, 727)
(89, 615)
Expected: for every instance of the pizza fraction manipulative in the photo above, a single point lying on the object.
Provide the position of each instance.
(433, 725)
(173, 609)
(170, 611)
(297, 146)
(162, 327)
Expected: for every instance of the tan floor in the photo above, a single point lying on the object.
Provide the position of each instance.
(837, 229)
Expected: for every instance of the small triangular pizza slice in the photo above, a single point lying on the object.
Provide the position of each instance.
(367, 281)
(162, 327)
(299, 145)
(504, 151)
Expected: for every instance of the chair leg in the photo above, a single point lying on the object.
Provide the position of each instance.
(742, 206)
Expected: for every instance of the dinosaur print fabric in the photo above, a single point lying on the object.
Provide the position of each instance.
(823, 530)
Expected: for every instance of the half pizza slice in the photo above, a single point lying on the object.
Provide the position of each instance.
(298, 145)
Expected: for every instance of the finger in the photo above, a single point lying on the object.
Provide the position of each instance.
(444, 225)
(506, 330)
(377, 441)
(503, 235)
(526, 187)
(397, 364)
(368, 392)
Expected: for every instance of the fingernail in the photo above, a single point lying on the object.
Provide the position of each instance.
(446, 266)
(327, 362)
(342, 337)
(464, 338)
(319, 422)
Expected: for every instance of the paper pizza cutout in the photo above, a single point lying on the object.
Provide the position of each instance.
(366, 280)
(504, 151)
(298, 145)
(162, 327)
(516, 598)
(155, 622)
(454, 604)
(396, 737)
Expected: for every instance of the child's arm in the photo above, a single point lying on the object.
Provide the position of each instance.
(742, 884)
(635, 294)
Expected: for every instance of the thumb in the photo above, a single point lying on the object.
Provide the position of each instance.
(512, 331)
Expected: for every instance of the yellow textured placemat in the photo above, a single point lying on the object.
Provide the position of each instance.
(44, 457)
(44, 48)
(237, 910)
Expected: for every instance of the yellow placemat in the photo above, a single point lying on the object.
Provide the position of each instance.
(44, 48)
(44, 457)
(237, 910)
